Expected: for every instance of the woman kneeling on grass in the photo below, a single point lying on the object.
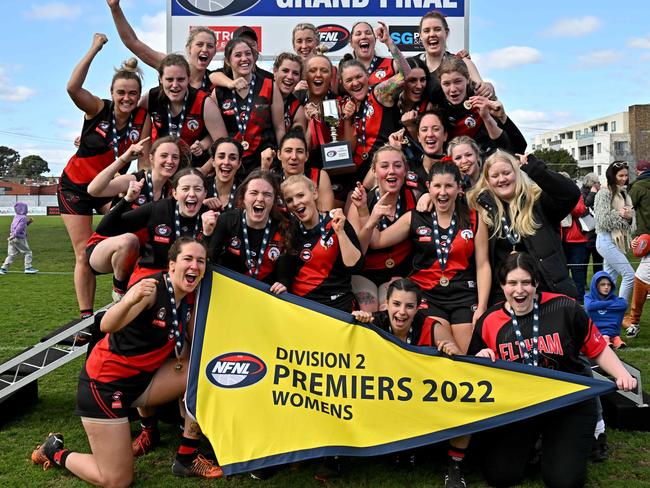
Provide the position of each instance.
(134, 368)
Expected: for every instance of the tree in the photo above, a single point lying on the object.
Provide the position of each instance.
(558, 160)
(8, 159)
(31, 166)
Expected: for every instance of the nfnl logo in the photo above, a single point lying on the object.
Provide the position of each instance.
(333, 36)
(235, 370)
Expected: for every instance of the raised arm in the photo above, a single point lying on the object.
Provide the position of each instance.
(106, 184)
(81, 97)
(130, 39)
(140, 296)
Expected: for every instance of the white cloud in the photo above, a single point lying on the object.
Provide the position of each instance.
(640, 42)
(528, 117)
(508, 57)
(574, 27)
(55, 156)
(152, 31)
(54, 11)
(10, 92)
(600, 58)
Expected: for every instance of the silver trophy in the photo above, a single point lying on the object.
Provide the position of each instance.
(337, 155)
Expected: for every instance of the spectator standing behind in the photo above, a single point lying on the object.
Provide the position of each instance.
(613, 212)
(640, 197)
(17, 240)
(574, 244)
(605, 309)
(590, 186)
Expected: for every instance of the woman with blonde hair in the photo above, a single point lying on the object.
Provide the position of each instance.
(522, 202)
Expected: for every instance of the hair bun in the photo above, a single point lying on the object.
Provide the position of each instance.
(130, 64)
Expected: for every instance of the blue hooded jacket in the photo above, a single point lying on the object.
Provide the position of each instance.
(607, 313)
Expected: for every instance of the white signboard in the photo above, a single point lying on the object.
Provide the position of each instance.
(273, 21)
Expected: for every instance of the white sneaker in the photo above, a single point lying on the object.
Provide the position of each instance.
(31, 271)
(116, 295)
(632, 331)
(3, 271)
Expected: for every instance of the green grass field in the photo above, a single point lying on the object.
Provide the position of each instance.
(33, 305)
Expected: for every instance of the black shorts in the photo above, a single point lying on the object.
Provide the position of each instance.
(89, 251)
(461, 313)
(77, 202)
(109, 400)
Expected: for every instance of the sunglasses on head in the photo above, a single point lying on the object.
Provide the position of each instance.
(619, 165)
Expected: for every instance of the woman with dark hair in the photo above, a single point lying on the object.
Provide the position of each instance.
(165, 220)
(362, 42)
(522, 203)
(142, 361)
(179, 110)
(248, 238)
(322, 249)
(118, 254)
(253, 114)
(226, 157)
(614, 214)
(544, 330)
(590, 186)
(292, 154)
(110, 128)
(450, 261)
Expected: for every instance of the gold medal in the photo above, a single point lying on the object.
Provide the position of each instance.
(245, 145)
(178, 367)
(390, 263)
(444, 281)
(467, 104)
(365, 156)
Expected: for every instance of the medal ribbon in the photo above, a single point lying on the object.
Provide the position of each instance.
(508, 233)
(360, 125)
(530, 357)
(231, 198)
(116, 138)
(322, 222)
(255, 268)
(179, 127)
(242, 121)
(443, 255)
(177, 331)
(177, 223)
(384, 222)
(373, 65)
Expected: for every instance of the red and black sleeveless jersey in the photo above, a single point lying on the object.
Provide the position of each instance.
(383, 70)
(143, 198)
(380, 122)
(399, 253)
(463, 122)
(96, 151)
(227, 246)
(193, 124)
(317, 271)
(143, 345)
(158, 218)
(565, 330)
(259, 130)
(460, 269)
(435, 94)
(291, 106)
(421, 333)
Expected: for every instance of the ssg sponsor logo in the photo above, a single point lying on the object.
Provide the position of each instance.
(235, 370)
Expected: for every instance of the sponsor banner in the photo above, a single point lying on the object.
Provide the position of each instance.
(273, 21)
(278, 379)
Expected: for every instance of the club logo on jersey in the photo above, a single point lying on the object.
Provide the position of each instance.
(380, 74)
(235, 370)
(227, 104)
(161, 314)
(370, 112)
(134, 135)
(329, 243)
(423, 230)
(274, 253)
(103, 125)
(471, 284)
(333, 36)
(474, 307)
(163, 230)
(212, 8)
(117, 400)
(157, 120)
(142, 199)
(192, 124)
(305, 255)
(470, 122)
(235, 243)
(467, 234)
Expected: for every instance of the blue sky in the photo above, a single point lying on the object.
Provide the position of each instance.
(553, 62)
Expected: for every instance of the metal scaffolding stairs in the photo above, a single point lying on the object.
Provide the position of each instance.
(53, 352)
